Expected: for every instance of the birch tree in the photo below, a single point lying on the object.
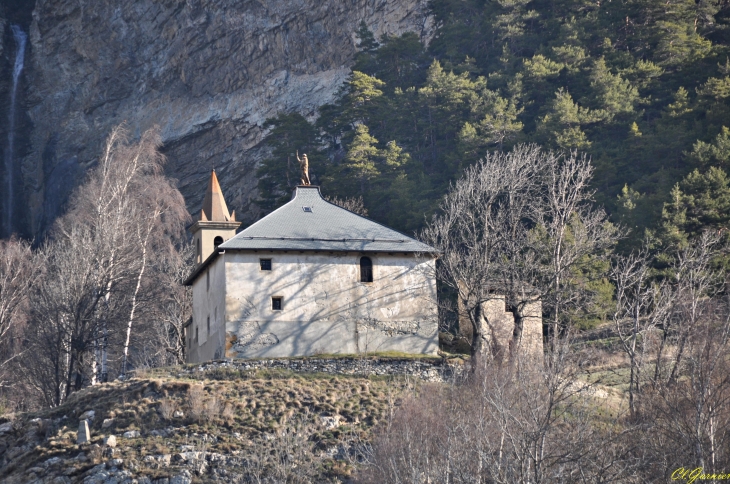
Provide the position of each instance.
(119, 221)
(135, 214)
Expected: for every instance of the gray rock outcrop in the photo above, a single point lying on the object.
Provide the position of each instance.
(208, 72)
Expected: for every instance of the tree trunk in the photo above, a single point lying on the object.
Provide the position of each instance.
(134, 307)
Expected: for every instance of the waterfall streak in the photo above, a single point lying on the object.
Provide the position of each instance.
(20, 38)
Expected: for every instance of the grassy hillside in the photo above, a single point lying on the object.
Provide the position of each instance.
(226, 424)
(233, 426)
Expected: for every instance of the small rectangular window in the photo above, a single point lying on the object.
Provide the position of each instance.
(265, 264)
(276, 303)
(208, 325)
(307, 209)
(196, 333)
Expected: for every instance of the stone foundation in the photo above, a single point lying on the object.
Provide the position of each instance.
(427, 369)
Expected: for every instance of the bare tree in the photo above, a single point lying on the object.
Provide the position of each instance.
(64, 316)
(689, 415)
(135, 215)
(124, 217)
(521, 225)
(694, 280)
(506, 424)
(19, 271)
(163, 342)
(642, 305)
(356, 205)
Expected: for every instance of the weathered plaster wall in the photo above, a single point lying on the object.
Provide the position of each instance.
(499, 325)
(208, 301)
(531, 343)
(325, 307)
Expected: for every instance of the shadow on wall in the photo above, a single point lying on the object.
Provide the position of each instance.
(277, 339)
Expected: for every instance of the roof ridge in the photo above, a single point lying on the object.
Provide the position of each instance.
(309, 221)
(370, 220)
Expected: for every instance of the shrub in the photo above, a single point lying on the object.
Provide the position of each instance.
(167, 408)
(519, 423)
(196, 402)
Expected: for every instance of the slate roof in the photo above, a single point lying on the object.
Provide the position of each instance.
(309, 222)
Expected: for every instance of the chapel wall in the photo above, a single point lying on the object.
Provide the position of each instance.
(209, 296)
(325, 307)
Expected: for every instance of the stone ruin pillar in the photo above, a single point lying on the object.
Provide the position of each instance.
(498, 326)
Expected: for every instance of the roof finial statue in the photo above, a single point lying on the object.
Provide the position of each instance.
(304, 164)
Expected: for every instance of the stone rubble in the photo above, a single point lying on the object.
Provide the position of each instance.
(195, 456)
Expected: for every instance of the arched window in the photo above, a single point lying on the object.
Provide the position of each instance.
(366, 269)
(217, 241)
(200, 252)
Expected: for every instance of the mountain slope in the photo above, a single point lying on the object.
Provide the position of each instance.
(209, 73)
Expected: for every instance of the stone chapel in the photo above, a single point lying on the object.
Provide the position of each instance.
(309, 278)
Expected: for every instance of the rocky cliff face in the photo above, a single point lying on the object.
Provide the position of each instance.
(208, 72)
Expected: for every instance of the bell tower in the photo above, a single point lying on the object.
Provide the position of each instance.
(214, 225)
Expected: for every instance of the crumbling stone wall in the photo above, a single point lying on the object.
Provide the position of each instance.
(427, 369)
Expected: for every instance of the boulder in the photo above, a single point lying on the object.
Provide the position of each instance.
(183, 478)
(52, 462)
(131, 434)
(6, 427)
(330, 422)
(108, 422)
(110, 441)
(87, 415)
(157, 461)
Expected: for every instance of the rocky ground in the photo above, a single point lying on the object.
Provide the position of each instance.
(213, 423)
